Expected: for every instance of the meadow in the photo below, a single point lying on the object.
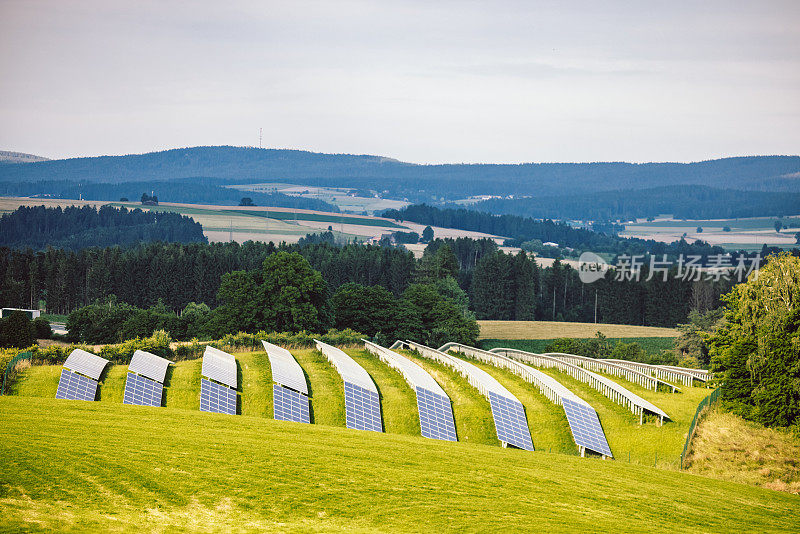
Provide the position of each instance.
(556, 329)
(177, 469)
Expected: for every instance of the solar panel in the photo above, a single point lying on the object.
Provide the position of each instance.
(435, 415)
(142, 391)
(75, 387)
(217, 398)
(86, 363)
(290, 405)
(433, 404)
(585, 426)
(285, 369)
(362, 408)
(149, 365)
(510, 421)
(220, 366)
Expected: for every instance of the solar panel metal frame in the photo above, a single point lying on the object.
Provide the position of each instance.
(549, 386)
(587, 432)
(217, 398)
(285, 369)
(290, 405)
(74, 386)
(362, 408)
(508, 416)
(86, 363)
(433, 405)
(220, 367)
(149, 365)
(435, 415)
(142, 391)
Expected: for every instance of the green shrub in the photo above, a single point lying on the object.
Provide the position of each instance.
(41, 328)
(16, 330)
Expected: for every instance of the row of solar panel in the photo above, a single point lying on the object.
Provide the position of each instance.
(362, 406)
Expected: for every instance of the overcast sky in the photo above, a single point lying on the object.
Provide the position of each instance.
(428, 81)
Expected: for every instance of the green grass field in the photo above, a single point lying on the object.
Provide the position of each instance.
(77, 466)
(177, 469)
(651, 345)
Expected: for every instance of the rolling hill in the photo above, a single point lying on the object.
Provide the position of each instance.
(108, 466)
(407, 180)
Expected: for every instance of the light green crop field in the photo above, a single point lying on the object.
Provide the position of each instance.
(78, 466)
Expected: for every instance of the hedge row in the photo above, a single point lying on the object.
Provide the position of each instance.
(161, 344)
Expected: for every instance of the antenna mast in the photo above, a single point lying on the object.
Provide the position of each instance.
(259, 137)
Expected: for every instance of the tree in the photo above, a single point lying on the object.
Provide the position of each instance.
(427, 234)
(292, 294)
(755, 352)
(699, 229)
(246, 201)
(375, 312)
(16, 331)
(778, 226)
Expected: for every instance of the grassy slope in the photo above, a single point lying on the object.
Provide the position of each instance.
(648, 444)
(398, 400)
(141, 469)
(555, 329)
(652, 345)
(471, 411)
(546, 421)
(728, 447)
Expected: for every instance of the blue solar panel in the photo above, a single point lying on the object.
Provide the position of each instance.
(435, 416)
(362, 408)
(217, 397)
(585, 425)
(290, 405)
(142, 391)
(75, 387)
(510, 422)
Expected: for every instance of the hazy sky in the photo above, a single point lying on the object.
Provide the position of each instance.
(427, 81)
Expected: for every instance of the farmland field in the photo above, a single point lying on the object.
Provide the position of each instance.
(221, 223)
(555, 329)
(109, 466)
(748, 234)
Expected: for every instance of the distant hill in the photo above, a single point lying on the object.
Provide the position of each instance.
(697, 202)
(414, 182)
(19, 157)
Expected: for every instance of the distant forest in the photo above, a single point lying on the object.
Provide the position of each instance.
(417, 183)
(683, 202)
(472, 273)
(185, 191)
(74, 228)
(520, 230)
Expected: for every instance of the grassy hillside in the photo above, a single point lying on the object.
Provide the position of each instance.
(76, 466)
(555, 329)
(647, 444)
(728, 447)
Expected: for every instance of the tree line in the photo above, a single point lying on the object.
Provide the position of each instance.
(683, 202)
(76, 228)
(521, 230)
(196, 190)
(482, 279)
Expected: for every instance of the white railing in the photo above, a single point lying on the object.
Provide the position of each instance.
(606, 386)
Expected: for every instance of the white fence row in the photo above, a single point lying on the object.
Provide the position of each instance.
(606, 386)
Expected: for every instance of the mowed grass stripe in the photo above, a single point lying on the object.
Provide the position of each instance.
(133, 469)
(398, 400)
(325, 388)
(255, 384)
(546, 421)
(471, 410)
